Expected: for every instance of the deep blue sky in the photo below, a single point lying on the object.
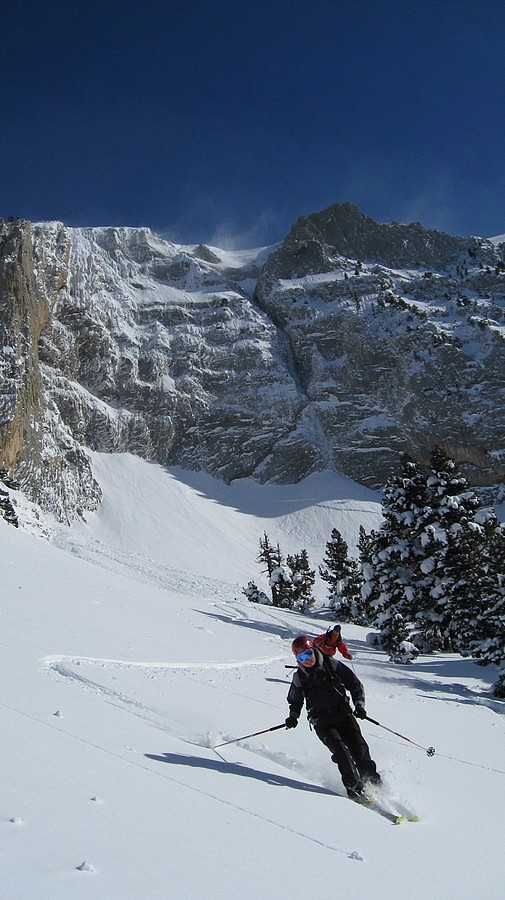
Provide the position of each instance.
(225, 121)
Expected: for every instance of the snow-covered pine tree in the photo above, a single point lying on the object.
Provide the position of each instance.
(390, 584)
(7, 510)
(303, 578)
(368, 591)
(499, 688)
(437, 563)
(253, 593)
(477, 591)
(351, 597)
(393, 571)
(460, 600)
(452, 542)
(283, 589)
(272, 559)
(344, 579)
(336, 562)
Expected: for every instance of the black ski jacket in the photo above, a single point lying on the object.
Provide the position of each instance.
(324, 689)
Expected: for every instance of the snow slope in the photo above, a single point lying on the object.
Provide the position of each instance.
(127, 652)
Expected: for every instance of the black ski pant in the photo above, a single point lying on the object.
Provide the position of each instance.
(349, 750)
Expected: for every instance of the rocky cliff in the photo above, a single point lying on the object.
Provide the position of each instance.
(35, 444)
(346, 344)
(398, 338)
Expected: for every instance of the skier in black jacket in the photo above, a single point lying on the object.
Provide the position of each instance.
(322, 682)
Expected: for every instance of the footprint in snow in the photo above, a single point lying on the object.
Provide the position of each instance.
(15, 820)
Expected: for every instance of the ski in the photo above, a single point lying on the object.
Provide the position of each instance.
(375, 806)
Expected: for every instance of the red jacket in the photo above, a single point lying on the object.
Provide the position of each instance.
(331, 641)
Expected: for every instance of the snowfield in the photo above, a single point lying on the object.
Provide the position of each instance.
(128, 652)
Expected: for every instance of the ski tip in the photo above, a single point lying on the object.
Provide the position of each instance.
(399, 820)
(414, 819)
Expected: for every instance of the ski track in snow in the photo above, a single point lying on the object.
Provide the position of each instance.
(61, 666)
(57, 664)
(54, 662)
(222, 596)
(222, 593)
(353, 855)
(142, 568)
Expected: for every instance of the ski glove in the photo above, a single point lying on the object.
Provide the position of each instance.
(360, 712)
(291, 722)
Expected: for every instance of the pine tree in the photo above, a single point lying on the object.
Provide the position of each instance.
(283, 588)
(272, 558)
(477, 591)
(352, 601)
(499, 688)
(303, 578)
(7, 510)
(390, 586)
(437, 565)
(368, 588)
(253, 593)
(344, 579)
(429, 535)
(454, 569)
(393, 571)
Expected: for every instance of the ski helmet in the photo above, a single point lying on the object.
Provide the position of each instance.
(301, 643)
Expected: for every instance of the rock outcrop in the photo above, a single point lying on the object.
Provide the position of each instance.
(35, 445)
(345, 345)
(398, 337)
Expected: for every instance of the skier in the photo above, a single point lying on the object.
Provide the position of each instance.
(330, 641)
(322, 683)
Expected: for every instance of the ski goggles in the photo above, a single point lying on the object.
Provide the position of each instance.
(307, 654)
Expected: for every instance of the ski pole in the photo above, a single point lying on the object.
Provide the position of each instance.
(244, 736)
(429, 750)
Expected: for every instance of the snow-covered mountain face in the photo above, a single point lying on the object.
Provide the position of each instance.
(343, 346)
(397, 337)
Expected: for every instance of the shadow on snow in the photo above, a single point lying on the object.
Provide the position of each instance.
(409, 675)
(214, 765)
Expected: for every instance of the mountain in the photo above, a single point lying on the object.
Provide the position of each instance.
(343, 346)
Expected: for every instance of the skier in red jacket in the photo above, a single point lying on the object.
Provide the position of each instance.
(331, 641)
